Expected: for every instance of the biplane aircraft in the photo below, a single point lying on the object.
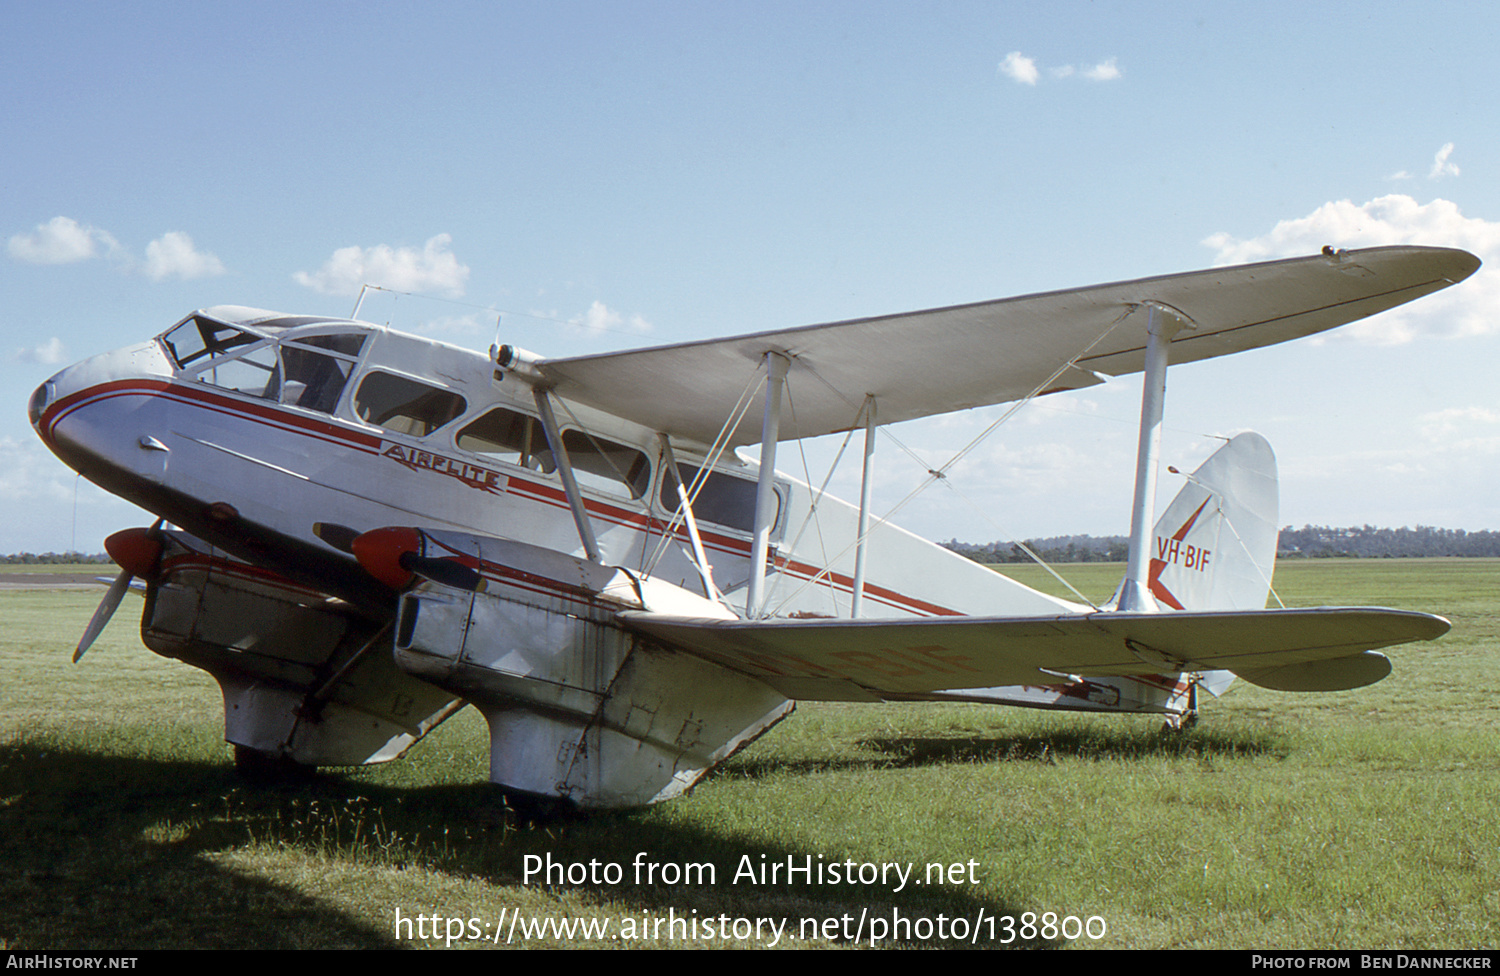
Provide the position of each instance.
(361, 531)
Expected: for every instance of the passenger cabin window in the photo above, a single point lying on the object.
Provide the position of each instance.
(404, 405)
(520, 439)
(308, 371)
(509, 436)
(605, 465)
(722, 499)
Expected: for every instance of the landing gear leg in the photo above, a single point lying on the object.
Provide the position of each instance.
(1184, 720)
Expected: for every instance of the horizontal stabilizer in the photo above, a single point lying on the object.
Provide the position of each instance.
(851, 659)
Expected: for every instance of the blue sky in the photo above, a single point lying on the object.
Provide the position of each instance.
(615, 174)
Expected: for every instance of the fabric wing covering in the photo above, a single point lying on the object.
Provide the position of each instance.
(930, 362)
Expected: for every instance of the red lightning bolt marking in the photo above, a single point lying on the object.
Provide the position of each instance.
(1153, 575)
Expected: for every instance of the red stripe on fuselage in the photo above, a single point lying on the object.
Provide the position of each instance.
(207, 398)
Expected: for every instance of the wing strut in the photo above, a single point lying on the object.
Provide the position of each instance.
(565, 469)
(864, 509)
(765, 488)
(1162, 323)
(700, 558)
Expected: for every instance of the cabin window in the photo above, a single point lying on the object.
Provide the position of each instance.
(605, 465)
(508, 436)
(723, 499)
(254, 372)
(313, 380)
(404, 405)
(309, 371)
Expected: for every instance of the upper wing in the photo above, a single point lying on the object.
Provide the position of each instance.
(860, 659)
(922, 363)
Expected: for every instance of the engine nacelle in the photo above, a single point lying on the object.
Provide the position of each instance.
(304, 677)
(579, 708)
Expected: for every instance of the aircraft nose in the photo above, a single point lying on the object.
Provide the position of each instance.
(40, 398)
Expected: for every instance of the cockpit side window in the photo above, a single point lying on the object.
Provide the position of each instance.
(254, 371)
(315, 379)
(199, 337)
(404, 405)
(309, 371)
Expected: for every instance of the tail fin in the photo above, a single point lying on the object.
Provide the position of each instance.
(1215, 545)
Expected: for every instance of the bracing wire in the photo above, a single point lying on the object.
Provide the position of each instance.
(941, 473)
(715, 451)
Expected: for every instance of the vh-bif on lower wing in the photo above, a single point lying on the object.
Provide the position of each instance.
(1324, 648)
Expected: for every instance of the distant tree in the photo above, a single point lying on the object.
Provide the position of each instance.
(1308, 542)
(46, 558)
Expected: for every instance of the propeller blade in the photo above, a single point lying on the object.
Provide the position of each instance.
(341, 537)
(107, 607)
(138, 551)
(449, 572)
(393, 556)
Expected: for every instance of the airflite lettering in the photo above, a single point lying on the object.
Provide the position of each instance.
(1174, 552)
(470, 474)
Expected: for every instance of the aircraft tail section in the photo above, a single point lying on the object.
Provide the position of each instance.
(1214, 548)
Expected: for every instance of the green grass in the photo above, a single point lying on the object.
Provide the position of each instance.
(1358, 819)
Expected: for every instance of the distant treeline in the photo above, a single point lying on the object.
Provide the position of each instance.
(1057, 549)
(1310, 541)
(1368, 542)
(47, 558)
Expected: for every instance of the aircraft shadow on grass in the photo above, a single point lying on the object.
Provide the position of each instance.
(106, 851)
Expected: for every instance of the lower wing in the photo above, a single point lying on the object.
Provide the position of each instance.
(1320, 649)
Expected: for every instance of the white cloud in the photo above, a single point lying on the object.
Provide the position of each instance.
(1467, 309)
(1018, 67)
(61, 240)
(434, 268)
(1106, 70)
(1024, 70)
(602, 318)
(173, 256)
(1444, 426)
(49, 353)
(29, 474)
(1440, 165)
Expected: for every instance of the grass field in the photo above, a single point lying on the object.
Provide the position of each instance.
(1360, 819)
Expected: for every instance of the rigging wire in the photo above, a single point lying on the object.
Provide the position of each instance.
(715, 451)
(941, 473)
(812, 512)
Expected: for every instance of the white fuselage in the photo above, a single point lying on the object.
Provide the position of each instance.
(399, 436)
